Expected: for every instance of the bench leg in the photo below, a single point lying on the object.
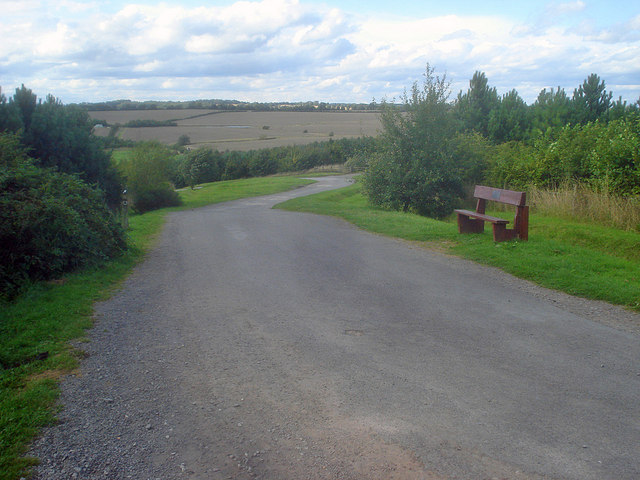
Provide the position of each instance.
(522, 223)
(469, 225)
(501, 233)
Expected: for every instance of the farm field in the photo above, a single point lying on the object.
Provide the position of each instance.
(243, 130)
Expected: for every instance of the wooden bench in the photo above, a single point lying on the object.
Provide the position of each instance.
(473, 222)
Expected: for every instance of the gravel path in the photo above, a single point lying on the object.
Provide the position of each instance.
(257, 343)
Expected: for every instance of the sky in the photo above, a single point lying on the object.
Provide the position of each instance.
(311, 50)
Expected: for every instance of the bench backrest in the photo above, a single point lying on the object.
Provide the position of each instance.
(498, 195)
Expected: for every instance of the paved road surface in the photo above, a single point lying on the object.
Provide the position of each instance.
(258, 343)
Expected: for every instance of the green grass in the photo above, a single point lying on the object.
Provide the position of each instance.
(118, 156)
(234, 189)
(48, 316)
(579, 258)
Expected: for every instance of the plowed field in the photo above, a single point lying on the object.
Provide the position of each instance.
(243, 130)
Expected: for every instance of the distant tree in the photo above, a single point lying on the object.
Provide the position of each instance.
(552, 109)
(591, 100)
(473, 108)
(25, 102)
(200, 166)
(510, 120)
(183, 140)
(619, 109)
(236, 166)
(9, 117)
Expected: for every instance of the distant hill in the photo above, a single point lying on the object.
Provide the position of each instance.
(228, 105)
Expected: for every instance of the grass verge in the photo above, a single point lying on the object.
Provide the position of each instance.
(582, 259)
(35, 329)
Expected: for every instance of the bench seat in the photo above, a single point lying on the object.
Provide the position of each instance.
(482, 216)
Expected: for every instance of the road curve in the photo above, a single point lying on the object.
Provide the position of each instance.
(259, 343)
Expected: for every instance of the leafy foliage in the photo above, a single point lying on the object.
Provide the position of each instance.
(147, 171)
(473, 108)
(605, 156)
(50, 222)
(415, 170)
(59, 137)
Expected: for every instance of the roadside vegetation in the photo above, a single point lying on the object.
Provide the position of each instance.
(432, 151)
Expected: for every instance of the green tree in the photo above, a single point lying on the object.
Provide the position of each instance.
(473, 107)
(619, 109)
(9, 116)
(552, 109)
(200, 166)
(25, 102)
(510, 120)
(147, 171)
(415, 170)
(591, 100)
(183, 140)
(60, 137)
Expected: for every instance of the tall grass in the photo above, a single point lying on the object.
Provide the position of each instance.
(579, 202)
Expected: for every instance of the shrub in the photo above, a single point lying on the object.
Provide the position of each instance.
(415, 170)
(147, 170)
(358, 162)
(183, 140)
(50, 222)
(199, 166)
(604, 156)
(155, 197)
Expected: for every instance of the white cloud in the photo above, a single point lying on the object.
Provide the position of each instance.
(282, 49)
(568, 7)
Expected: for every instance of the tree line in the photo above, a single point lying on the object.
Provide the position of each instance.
(228, 105)
(507, 117)
(433, 149)
(153, 170)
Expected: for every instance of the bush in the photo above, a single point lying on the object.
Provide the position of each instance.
(604, 156)
(358, 162)
(155, 197)
(183, 140)
(50, 222)
(147, 170)
(199, 166)
(416, 170)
